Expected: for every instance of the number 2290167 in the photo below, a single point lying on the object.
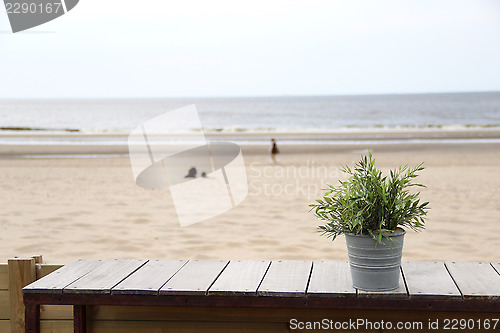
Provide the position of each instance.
(33, 8)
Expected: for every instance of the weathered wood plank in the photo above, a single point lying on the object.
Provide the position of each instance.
(190, 313)
(56, 312)
(241, 277)
(496, 266)
(4, 305)
(286, 278)
(148, 279)
(475, 279)
(331, 278)
(46, 311)
(56, 326)
(101, 279)
(62, 326)
(267, 316)
(425, 279)
(401, 292)
(4, 276)
(4, 325)
(64, 276)
(194, 278)
(45, 269)
(159, 321)
(21, 273)
(225, 314)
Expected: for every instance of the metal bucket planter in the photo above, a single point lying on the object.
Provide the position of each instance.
(375, 267)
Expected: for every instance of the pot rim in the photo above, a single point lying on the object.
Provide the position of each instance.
(401, 233)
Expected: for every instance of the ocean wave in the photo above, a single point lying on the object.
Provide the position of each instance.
(260, 130)
(35, 129)
(354, 129)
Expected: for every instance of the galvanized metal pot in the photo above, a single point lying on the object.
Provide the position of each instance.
(375, 267)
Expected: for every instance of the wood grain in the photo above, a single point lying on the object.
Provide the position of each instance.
(195, 277)
(4, 305)
(62, 326)
(62, 277)
(21, 273)
(286, 278)
(241, 277)
(45, 269)
(103, 278)
(5, 326)
(475, 279)
(331, 278)
(424, 279)
(496, 266)
(4, 277)
(148, 279)
(56, 312)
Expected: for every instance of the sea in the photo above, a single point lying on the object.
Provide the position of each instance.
(34, 120)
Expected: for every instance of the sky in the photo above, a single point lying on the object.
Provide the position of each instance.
(160, 48)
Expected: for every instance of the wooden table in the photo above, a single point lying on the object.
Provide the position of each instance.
(424, 286)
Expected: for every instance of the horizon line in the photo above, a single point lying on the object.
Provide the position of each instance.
(250, 96)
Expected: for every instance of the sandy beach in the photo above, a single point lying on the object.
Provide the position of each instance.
(70, 208)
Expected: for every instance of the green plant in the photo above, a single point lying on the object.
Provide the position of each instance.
(371, 204)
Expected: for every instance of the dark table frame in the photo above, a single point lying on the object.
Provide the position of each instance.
(466, 295)
(80, 301)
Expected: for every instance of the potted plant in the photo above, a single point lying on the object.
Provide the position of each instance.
(371, 210)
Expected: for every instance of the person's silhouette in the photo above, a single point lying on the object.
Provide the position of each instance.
(274, 151)
(191, 173)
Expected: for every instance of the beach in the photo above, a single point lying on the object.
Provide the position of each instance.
(68, 207)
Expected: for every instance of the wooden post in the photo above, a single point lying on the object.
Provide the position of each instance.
(32, 318)
(21, 273)
(80, 318)
(38, 259)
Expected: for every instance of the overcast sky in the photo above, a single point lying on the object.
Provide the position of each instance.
(159, 48)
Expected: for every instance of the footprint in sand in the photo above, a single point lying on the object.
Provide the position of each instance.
(79, 225)
(79, 213)
(265, 242)
(52, 219)
(80, 254)
(292, 250)
(189, 236)
(202, 248)
(127, 248)
(201, 257)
